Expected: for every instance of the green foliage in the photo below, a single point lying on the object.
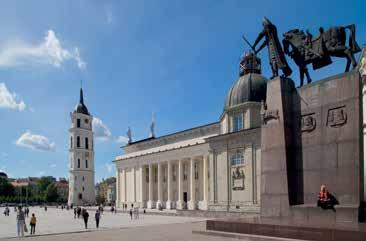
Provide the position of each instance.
(51, 195)
(6, 189)
(100, 199)
(43, 184)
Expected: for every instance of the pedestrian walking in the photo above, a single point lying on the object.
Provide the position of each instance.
(97, 218)
(32, 224)
(6, 211)
(85, 215)
(75, 212)
(131, 213)
(78, 211)
(20, 222)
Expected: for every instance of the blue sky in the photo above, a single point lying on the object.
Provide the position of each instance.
(174, 58)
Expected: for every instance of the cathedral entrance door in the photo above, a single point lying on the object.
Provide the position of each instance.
(185, 200)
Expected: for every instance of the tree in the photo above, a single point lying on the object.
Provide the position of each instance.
(43, 184)
(6, 189)
(51, 194)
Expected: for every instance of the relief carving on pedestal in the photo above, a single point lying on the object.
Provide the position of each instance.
(270, 115)
(337, 117)
(308, 122)
(238, 179)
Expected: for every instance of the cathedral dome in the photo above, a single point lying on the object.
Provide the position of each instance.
(3, 174)
(251, 85)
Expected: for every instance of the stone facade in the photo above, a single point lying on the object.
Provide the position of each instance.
(215, 167)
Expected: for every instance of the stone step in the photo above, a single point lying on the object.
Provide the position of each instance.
(248, 237)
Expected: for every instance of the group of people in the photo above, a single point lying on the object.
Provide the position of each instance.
(21, 225)
(82, 212)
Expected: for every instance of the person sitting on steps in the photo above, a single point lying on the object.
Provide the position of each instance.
(326, 200)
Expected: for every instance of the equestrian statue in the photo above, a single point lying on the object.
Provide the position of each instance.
(304, 49)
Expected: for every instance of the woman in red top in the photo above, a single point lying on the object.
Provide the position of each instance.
(325, 199)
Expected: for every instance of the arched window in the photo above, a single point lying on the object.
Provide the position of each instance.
(71, 142)
(78, 141)
(86, 163)
(78, 123)
(78, 163)
(86, 143)
(237, 158)
(238, 122)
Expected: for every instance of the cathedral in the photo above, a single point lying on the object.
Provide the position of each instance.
(212, 167)
(81, 156)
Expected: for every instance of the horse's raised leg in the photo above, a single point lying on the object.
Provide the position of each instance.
(350, 59)
(307, 75)
(301, 76)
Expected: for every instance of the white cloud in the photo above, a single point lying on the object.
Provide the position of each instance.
(52, 165)
(35, 142)
(8, 99)
(109, 167)
(101, 131)
(41, 173)
(4, 154)
(122, 140)
(49, 51)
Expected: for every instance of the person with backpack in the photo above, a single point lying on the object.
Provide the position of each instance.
(97, 218)
(85, 216)
(32, 224)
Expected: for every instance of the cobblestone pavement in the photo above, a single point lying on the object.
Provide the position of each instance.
(56, 221)
(165, 232)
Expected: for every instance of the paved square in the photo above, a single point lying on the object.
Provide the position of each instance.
(56, 221)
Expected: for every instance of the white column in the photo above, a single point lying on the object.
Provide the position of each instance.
(150, 203)
(169, 201)
(124, 185)
(192, 202)
(142, 187)
(160, 187)
(118, 198)
(179, 203)
(205, 182)
(134, 185)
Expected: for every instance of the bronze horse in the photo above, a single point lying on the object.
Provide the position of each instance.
(304, 50)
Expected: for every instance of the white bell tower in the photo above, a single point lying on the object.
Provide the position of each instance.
(81, 155)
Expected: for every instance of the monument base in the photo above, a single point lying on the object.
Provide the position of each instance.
(284, 228)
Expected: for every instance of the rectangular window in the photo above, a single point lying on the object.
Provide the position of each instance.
(78, 163)
(86, 143)
(174, 174)
(237, 158)
(147, 175)
(86, 163)
(155, 174)
(78, 142)
(164, 174)
(184, 171)
(238, 122)
(196, 170)
(78, 123)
